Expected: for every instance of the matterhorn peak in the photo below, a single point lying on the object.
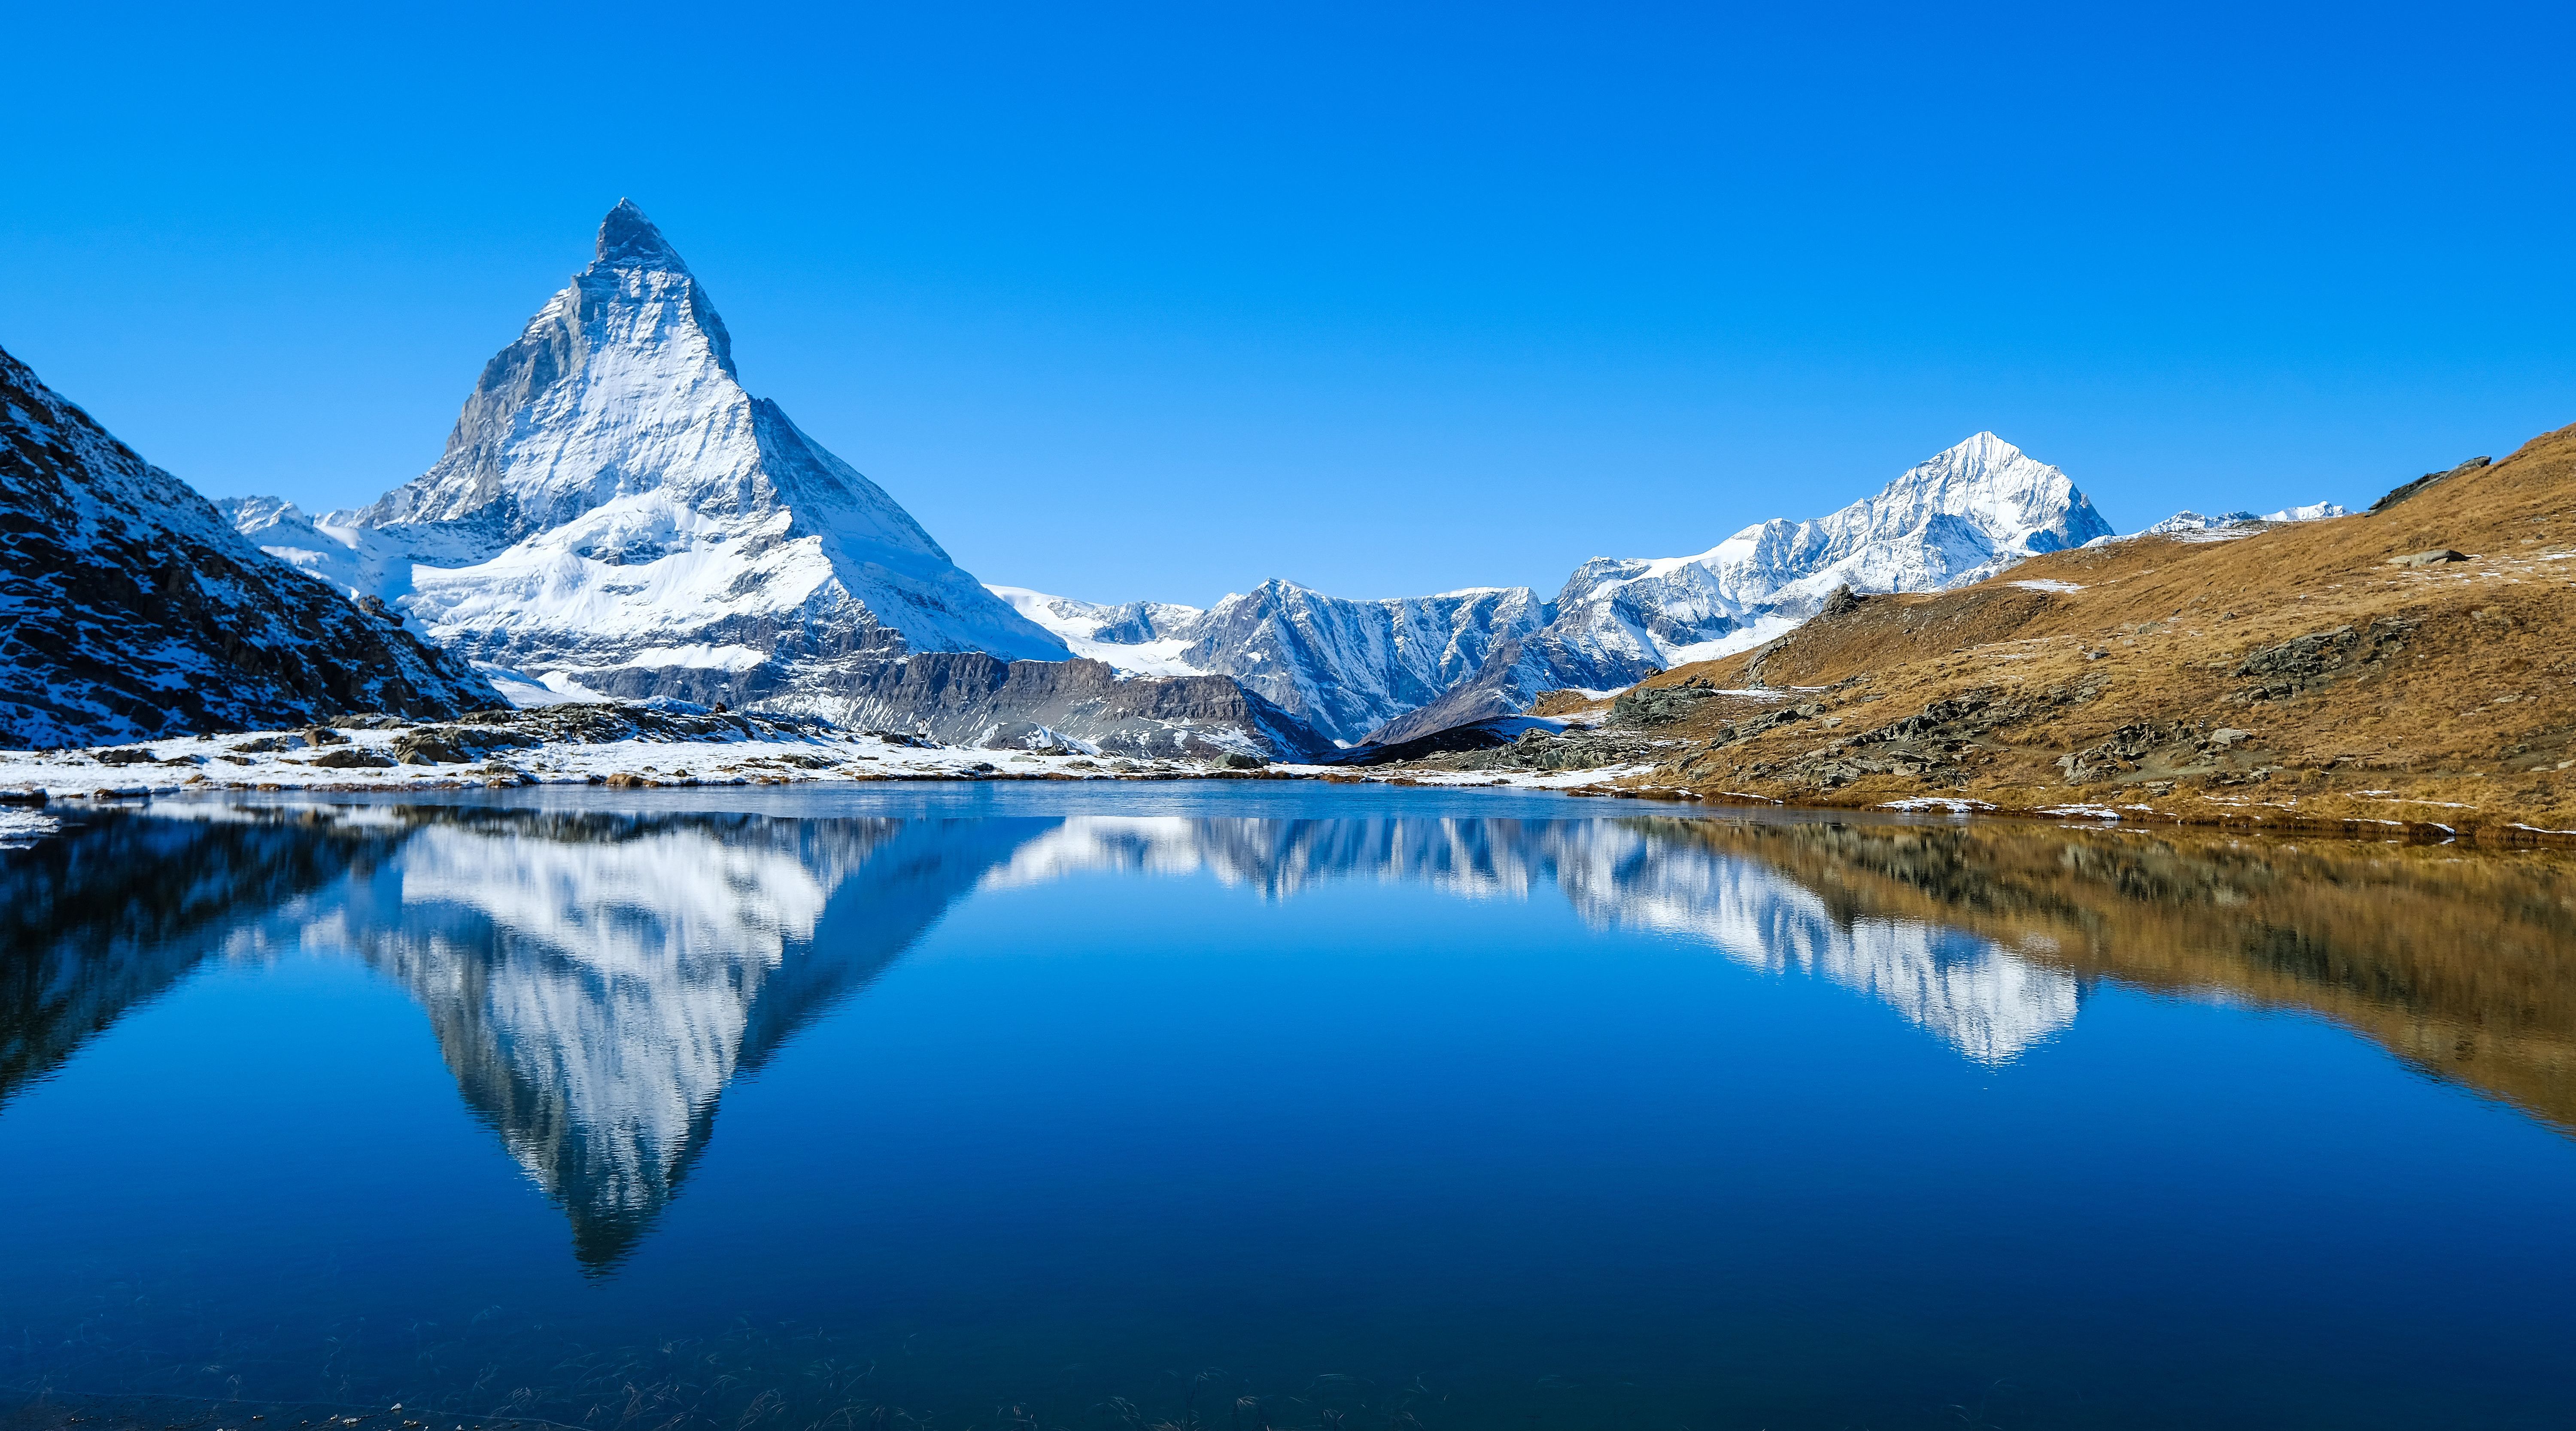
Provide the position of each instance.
(627, 239)
(614, 509)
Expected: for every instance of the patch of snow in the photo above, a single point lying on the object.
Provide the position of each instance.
(2087, 812)
(527, 692)
(2046, 585)
(1948, 804)
(22, 828)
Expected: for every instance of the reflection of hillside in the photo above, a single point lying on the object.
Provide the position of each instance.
(1979, 997)
(2457, 964)
(113, 911)
(596, 981)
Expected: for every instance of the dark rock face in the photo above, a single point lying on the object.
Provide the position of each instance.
(130, 609)
(2416, 487)
(969, 698)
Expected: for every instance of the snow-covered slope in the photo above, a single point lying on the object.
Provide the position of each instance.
(1381, 669)
(615, 510)
(130, 608)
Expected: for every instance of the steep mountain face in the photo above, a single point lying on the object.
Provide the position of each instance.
(130, 609)
(1383, 671)
(615, 510)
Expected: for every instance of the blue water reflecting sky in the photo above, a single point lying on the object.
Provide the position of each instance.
(1535, 1110)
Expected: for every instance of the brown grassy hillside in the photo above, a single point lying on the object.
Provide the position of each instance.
(2296, 676)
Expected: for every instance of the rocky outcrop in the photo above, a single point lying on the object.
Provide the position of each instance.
(2418, 487)
(130, 609)
(968, 698)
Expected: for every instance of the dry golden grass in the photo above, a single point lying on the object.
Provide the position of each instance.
(2465, 716)
(2456, 965)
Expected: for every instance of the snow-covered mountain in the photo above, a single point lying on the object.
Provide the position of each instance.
(1387, 670)
(615, 512)
(1344, 667)
(130, 608)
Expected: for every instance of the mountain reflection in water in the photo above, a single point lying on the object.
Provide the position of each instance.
(596, 980)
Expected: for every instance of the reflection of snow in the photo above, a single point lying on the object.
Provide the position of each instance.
(1984, 1001)
(596, 981)
(631, 907)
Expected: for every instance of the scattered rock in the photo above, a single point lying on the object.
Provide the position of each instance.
(324, 735)
(2303, 663)
(127, 757)
(2432, 558)
(629, 780)
(1235, 760)
(350, 757)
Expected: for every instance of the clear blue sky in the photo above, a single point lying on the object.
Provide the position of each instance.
(1128, 301)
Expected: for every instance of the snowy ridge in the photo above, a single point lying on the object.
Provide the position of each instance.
(611, 496)
(2190, 526)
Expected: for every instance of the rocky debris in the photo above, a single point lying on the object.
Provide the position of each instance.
(971, 699)
(321, 735)
(261, 745)
(350, 758)
(2303, 663)
(1544, 750)
(457, 745)
(1937, 744)
(2123, 751)
(2436, 557)
(131, 610)
(1659, 705)
(126, 757)
(2417, 487)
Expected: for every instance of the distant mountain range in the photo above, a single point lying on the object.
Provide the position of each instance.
(615, 516)
(1389, 670)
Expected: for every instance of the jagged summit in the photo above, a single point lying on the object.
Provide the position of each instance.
(628, 239)
(613, 510)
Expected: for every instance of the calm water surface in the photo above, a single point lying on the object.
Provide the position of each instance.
(1254, 1105)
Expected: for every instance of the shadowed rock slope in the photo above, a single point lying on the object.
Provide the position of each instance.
(131, 609)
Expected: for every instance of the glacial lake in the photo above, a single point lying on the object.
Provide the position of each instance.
(1255, 1104)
